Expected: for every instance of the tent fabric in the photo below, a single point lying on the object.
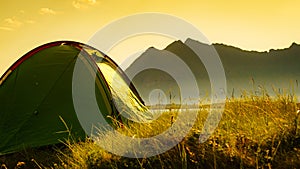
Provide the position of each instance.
(36, 96)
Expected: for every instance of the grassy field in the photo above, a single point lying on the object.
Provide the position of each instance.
(254, 132)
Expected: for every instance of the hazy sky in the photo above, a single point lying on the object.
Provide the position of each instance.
(253, 25)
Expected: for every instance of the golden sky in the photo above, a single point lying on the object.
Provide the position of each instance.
(250, 24)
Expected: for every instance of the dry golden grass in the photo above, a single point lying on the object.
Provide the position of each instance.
(254, 132)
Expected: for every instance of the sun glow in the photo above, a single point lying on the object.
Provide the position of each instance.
(251, 25)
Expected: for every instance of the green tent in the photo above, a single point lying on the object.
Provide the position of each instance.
(36, 105)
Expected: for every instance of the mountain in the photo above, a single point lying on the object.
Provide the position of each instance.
(244, 70)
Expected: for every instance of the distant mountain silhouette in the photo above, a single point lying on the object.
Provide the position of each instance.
(244, 70)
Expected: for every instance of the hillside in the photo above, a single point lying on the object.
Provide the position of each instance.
(244, 70)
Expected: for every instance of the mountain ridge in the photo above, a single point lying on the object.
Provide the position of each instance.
(293, 44)
(244, 70)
